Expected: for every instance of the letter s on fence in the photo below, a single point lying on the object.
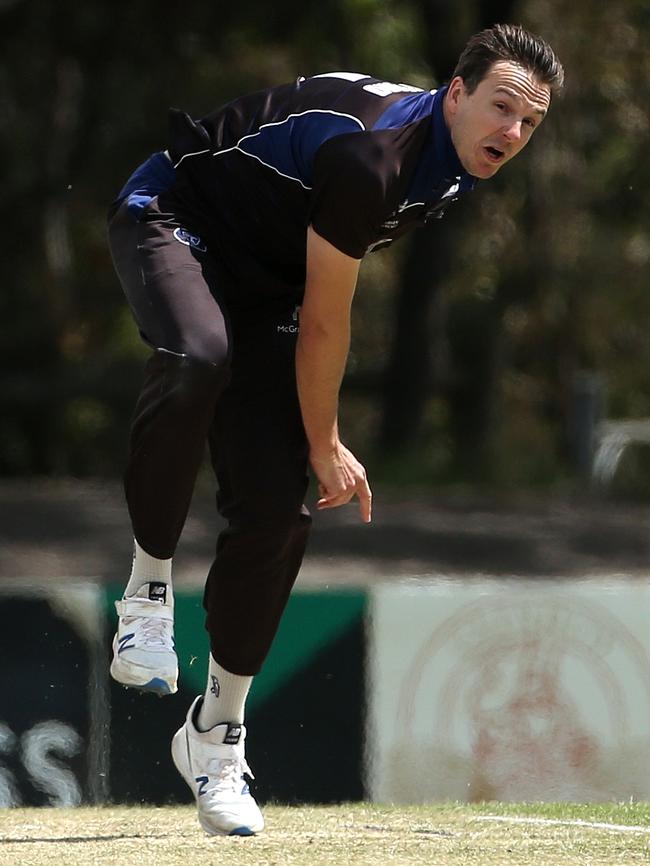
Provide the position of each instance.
(40, 746)
(9, 793)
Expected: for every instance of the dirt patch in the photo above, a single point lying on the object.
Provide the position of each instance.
(53, 530)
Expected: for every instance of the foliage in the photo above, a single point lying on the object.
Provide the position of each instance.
(547, 279)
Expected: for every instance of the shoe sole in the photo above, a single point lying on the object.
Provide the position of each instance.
(179, 755)
(143, 683)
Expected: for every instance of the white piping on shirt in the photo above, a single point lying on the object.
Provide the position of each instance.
(195, 153)
(268, 165)
(404, 207)
(274, 123)
(345, 76)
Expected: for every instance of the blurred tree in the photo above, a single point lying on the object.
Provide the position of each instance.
(431, 255)
(85, 91)
(556, 288)
(501, 306)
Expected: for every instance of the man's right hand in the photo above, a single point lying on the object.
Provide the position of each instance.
(340, 478)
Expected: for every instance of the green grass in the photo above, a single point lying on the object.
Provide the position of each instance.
(359, 834)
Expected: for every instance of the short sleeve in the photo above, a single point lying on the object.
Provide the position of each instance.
(353, 192)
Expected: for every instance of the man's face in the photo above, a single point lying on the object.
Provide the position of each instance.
(491, 125)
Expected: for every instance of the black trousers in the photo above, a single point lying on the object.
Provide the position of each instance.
(222, 370)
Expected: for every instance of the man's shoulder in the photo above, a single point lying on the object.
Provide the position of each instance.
(358, 94)
(377, 154)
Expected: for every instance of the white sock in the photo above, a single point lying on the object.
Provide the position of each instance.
(146, 569)
(225, 697)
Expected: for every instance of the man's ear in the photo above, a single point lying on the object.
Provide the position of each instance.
(455, 91)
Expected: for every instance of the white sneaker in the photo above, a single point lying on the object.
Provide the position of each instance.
(213, 765)
(143, 649)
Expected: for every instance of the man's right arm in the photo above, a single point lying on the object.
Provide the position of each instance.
(321, 355)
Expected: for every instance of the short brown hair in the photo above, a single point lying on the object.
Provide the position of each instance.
(513, 43)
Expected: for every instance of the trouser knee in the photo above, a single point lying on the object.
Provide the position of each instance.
(186, 382)
(275, 534)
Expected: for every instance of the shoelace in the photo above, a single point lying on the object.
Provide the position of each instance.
(227, 773)
(153, 633)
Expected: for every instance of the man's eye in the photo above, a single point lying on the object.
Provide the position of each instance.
(501, 106)
(529, 122)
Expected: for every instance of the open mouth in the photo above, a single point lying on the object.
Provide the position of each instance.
(494, 154)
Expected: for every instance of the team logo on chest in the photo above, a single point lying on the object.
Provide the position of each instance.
(395, 219)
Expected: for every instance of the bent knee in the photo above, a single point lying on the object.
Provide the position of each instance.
(208, 347)
(188, 379)
(282, 524)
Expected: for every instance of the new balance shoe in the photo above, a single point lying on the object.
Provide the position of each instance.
(213, 765)
(143, 649)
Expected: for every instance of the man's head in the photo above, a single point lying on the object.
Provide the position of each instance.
(499, 94)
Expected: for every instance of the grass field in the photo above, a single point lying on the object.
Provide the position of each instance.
(440, 835)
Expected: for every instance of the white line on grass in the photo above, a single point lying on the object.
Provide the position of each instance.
(596, 825)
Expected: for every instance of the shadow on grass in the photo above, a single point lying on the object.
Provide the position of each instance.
(4, 840)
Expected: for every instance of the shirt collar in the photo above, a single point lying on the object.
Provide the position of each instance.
(439, 168)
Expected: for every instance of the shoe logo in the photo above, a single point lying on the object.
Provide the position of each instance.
(189, 239)
(232, 735)
(158, 592)
(123, 642)
(215, 688)
(203, 782)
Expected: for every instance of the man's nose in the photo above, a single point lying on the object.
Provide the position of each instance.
(513, 132)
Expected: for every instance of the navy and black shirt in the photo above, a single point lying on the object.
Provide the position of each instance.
(360, 159)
